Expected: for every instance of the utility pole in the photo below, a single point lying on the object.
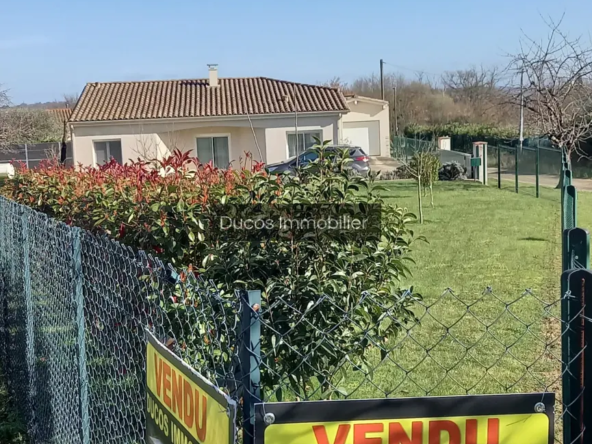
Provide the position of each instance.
(521, 110)
(395, 112)
(382, 79)
(516, 158)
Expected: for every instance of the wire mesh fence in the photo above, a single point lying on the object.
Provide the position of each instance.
(534, 167)
(74, 311)
(459, 344)
(404, 148)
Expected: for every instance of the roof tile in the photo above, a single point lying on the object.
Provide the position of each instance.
(195, 98)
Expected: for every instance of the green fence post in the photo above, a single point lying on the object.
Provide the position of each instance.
(537, 168)
(499, 167)
(250, 358)
(516, 166)
(587, 361)
(29, 322)
(572, 206)
(81, 341)
(577, 242)
(576, 286)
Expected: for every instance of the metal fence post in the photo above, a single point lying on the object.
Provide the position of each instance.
(587, 362)
(250, 357)
(516, 166)
(499, 167)
(29, 322)
(537, 170)
(576, 288)
(81, 342)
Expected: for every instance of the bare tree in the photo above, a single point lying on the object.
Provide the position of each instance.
(478, 94)
(70, 100)
(4, 99)
(20, 125)
(557, 87)
(336, 82)
(422, 166)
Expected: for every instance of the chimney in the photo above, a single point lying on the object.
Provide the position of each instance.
(213, 74)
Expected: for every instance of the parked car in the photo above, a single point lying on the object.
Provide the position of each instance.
(360, 161)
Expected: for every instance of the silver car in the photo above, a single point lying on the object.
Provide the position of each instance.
(360, 161)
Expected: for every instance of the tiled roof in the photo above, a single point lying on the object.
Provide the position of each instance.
(195, 98)
(62, 114)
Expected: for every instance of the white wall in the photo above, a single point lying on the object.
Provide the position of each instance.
(276, 134)
(157, 138)
(372, 110)
(241, 140)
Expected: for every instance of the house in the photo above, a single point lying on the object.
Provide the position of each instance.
(60, 114)
(220, 119)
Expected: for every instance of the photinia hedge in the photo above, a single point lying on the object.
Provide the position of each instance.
(328, 298)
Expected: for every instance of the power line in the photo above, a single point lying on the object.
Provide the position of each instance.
(417, 71)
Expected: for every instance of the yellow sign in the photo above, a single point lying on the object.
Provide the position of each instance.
(182, 406)
(503, 429)
(477, 419)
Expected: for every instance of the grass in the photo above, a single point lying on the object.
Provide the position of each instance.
(489, 279)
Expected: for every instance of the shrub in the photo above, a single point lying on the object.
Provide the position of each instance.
(12, 428)
(403, 172)
(452, 171)
(347, 286)
(463, 135)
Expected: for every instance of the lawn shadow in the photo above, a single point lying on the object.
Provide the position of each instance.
(535, 239)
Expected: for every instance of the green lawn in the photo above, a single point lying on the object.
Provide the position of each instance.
(489, 278)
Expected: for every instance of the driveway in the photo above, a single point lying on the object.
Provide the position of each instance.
(545, 180)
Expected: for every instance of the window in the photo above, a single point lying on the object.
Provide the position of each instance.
(306, 158)
(306, 139)
(213, 149)
(106, 150)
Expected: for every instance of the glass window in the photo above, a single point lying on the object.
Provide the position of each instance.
(306, 140)
(105, 150)
(215, 150)
(101, 153)
(205, 149)
(308, 157)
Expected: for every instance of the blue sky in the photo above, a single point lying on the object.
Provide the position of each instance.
(48, 48)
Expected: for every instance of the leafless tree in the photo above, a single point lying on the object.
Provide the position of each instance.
(4, 99)
(557, 87)
(478, 94)
(20, 125)
(70, 100)
(336, 82)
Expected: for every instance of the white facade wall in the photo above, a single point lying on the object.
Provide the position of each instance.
(362, 111)
(264, 137)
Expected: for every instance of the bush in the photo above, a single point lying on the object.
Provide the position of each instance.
(452, 171)
(328, 277)
(463, 135)
(12, 428)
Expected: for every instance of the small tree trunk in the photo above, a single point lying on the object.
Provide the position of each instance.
(419, 199)
(432, 194)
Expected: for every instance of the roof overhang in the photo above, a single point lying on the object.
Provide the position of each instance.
(355, 99)
(208, 119)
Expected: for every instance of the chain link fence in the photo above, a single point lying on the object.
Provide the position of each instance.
(74, 308)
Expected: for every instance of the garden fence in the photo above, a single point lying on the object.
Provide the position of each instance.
(74, 308)
(576, 316)
(32, 155)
